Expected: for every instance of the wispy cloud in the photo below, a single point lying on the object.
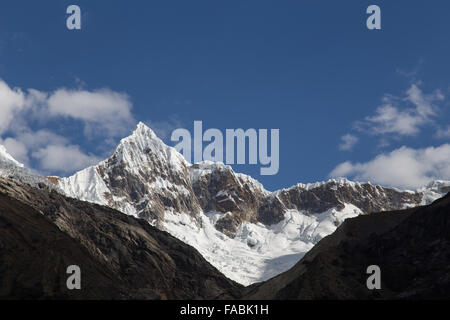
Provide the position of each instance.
(404, 116)
(404, 167)
(401, 116)
(443, 132)
(348, 141)
(99, 110)
(12, 101)
(411, 73)
(103, 113)
(65, 159)
(26, 141)
(163, 129)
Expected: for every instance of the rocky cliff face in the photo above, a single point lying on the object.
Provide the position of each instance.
(219, 189)
(320, 197)
(121, 257)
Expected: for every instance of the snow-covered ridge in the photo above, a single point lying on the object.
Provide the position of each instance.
(433, 186)
(5, 157)
(86, 185)
(12, 169)
(337, 181)
(434, 190)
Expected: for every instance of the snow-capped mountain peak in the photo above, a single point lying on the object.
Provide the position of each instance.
(144, 137)
(142, 149)
(143, 177)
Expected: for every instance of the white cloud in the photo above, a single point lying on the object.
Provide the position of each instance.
(348, 141)
(404, 167)
(16, 149)
(64, 159)
(26, 141)
(53, 152)
(11, 102)
(443, 132)
(163, 129)
(391, 118)
(103, 113)
(102, 109)
(40, 138)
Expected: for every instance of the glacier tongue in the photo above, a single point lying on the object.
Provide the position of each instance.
(257, 252)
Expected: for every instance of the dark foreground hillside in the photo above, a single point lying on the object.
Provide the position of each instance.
(411, 247)
(43, 232)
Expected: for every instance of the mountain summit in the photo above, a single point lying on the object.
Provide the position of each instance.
(247, 232)
(143, 177)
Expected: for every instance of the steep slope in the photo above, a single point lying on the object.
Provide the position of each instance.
(247, 232)
(5, 157)
(125, 255)
(254, 251)
(13, 169)
(219, 189)
(34, 256)
(411, 247)
(143, 178)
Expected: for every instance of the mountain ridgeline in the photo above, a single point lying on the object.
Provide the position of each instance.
(115, 215)
(268, 232)
(146, 178)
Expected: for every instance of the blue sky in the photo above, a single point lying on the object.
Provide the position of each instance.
(310, 68)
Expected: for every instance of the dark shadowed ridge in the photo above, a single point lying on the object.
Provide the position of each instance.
(121, 257)
(43, 232)
(412, 248)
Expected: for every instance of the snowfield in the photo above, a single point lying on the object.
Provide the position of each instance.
(258, 252)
